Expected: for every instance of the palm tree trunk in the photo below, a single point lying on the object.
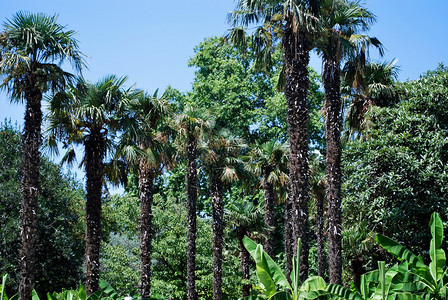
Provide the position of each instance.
(94, 152)
(145, 187)
(245, 265)
(218, 232)
(31, 140)
(296, 55)
(320, 233)
(191, 216)
(288, 238)
(331, 80)
(269, 215)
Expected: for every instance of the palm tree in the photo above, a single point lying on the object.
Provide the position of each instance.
(90, 115)
(342, 20)
(291, 23)
(143, 145)
(318, 186)
(219, 159)
(269, 161)
(32, 49)
(191, 125)
(246, 220)
(368, 84)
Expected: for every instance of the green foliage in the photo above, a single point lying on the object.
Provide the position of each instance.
(434, 277)
(3, 295)
(245, 97)
(120, 254)
(274, 283)
(392, 283)
(60, 223)
(397, 175)
(106, 291)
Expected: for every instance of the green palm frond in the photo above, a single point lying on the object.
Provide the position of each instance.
(36, 45)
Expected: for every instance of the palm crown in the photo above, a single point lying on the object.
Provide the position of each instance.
(31, 43)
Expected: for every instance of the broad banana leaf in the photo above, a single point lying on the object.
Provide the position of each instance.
(399, 251)
(2, 287)
(282, 295)
(435, 251)
(342, 292)
(313, 287)
(34, 295)
(268, 272)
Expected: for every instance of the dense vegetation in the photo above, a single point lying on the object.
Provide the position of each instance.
(261, 150)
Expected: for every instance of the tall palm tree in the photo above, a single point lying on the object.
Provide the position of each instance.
(220, 162)
(191, 125)
(143, 144)
(367, 84)
(246, 219)
(32, 49)
(342, 20)
(90, 115)
(269, 161)
(290, 23)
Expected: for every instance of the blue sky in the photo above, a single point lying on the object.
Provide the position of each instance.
(152, 41)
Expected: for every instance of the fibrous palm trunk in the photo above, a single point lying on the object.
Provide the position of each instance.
(297, 47)
(218, 232)
(191, 216)
(288, 237)
(94, 151)
(269, 214)
(245, 264)
(331, 80)
(145, 187)
(31, 140)
(320, 233)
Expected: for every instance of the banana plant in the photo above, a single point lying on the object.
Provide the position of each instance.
(3, 295)
(433, 277)
(273, 282)
(381, 284)
(105, 291)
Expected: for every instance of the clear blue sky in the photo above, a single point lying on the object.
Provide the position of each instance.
(152, 41)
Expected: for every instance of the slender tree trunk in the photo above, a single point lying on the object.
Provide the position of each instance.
(31, 140)
(191, 216)
(288, 238)
(245, 265)
(145, 187)
(357, 270)
(94, 151)
(320, 233)
(331, 79)
(218, 232)
(296, 55)
(269, 214)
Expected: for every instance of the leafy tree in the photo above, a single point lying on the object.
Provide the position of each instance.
(89, 115)
(342, 21)
(397, 176)
(226, 81)
(32, 50)
(59, 228)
